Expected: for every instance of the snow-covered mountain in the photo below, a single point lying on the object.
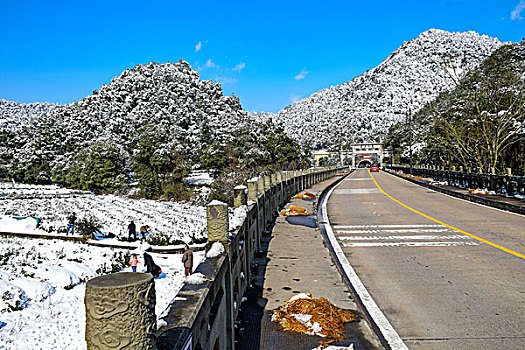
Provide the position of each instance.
(170, 99)
(363, 109)
(14, 115)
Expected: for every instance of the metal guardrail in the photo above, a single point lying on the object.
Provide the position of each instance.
(507, 185)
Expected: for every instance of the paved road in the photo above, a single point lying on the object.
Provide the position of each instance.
(439, 288)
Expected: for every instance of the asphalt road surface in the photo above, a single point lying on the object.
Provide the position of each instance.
(439, 288)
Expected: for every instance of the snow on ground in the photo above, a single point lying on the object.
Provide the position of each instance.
(9, 224)
(42, 289)
(199, 178)
(53, 205)
(42, 282)
(13, 190)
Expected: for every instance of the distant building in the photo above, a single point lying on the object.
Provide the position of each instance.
(322, 153)
(368, 153)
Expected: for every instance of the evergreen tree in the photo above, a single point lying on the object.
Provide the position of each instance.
(97, 167)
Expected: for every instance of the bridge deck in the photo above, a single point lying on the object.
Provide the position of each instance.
(295, 261)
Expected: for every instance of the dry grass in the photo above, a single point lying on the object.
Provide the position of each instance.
(306, 195)
(478, 191)
(294, 211)
(330, 318)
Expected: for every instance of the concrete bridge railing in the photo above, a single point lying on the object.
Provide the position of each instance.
(203, 316)
(505, 184)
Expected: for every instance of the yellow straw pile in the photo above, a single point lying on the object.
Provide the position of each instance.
(329, 318)
(295, 211)
(306, 195)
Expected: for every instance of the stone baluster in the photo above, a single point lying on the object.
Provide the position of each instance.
(120, 311)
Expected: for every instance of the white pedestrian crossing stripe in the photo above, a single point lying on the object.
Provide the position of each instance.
(410, 230)
(408, 244)
(384, 226)
(400, 238)
(357, 191)
(364, 236)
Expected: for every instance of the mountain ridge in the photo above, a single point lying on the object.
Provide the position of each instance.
(364, 107)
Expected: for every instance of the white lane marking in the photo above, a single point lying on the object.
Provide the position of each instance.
(415, 230)
(407, 244)
(359, 179)
(357, 191)
(389, 333)
(385, 226)
(392, 238)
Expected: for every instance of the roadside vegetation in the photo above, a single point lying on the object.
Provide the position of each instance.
(479, 125)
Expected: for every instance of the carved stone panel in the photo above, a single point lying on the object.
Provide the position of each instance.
(120, 312)
(217, 222)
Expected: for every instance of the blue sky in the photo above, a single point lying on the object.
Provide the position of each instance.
(269, 53)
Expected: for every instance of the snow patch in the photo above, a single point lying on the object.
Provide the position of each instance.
(196, 278)
(217, 248)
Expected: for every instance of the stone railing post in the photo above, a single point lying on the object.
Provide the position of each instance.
(217, 222)
(239, 196)
(280, 188)
(267, 182)
(273, 193)
(260, 185)
(252, 190)
(218, 228)
(120, 311)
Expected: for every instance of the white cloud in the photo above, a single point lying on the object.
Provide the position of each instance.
(210, 64)
(240, 66)
(226, 80)
(516, 13)
(301, 75)
(198, 46)
(295, 98)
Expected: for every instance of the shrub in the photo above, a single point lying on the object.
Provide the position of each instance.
(88, 225)
(162, 239)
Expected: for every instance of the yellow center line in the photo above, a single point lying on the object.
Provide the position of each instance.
(507, 250)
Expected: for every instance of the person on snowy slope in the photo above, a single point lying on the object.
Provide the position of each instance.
(71, 223)
(187, 259)
(132, 231)
(134, 262)
(151, 267)
(143, 231)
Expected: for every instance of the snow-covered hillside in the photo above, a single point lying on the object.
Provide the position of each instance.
(167, 219)
(170, 98)
(364, 108)
(14, 115)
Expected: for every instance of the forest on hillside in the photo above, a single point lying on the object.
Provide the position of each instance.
(147, 129)
(478, 125)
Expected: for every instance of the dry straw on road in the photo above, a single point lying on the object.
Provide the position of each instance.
(306, 195)
(314, 316)
(295, 211)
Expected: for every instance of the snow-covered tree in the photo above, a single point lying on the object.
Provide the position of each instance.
(363, 109)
